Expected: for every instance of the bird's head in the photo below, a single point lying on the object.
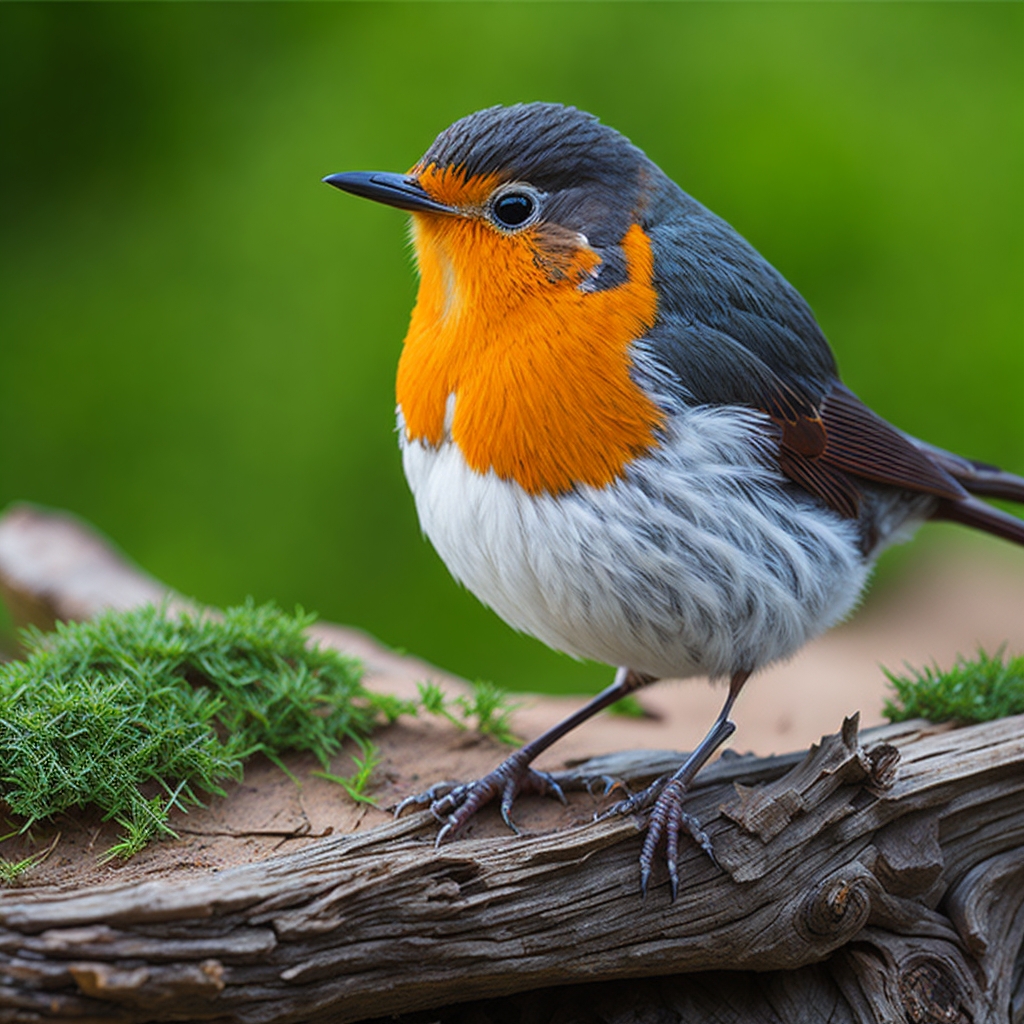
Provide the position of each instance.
(527, 198)
(536, 276)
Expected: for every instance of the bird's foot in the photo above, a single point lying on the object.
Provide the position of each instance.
(454, 803)
(667, 819)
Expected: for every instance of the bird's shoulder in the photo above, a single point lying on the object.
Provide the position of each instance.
(732, 331)
(710, 278)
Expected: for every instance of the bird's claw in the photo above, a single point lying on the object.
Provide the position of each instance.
(610, 783)
(635, 802)
(430, 796)
(668, 820)
(455, 803)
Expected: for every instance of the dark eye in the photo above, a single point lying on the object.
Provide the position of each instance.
(513, 209)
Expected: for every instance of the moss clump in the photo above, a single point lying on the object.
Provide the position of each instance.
(138, 712)
(977, 690)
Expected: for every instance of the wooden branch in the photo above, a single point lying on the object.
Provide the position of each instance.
(875, 880)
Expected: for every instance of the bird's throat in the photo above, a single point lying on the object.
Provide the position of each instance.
(540, 368)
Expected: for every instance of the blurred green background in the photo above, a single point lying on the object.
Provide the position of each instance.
(198, 339)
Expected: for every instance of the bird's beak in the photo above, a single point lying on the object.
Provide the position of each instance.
(393, 189)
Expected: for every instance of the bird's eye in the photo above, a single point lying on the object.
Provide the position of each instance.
(512, 210)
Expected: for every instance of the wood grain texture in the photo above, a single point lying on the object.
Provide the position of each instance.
(876, 877)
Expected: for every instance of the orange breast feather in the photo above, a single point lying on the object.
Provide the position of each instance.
(539, 368)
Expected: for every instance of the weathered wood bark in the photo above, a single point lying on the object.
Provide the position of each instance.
(876, 878)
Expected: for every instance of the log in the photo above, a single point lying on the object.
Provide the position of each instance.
(875, 877)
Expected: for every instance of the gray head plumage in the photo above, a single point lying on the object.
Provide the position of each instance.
(549, 145)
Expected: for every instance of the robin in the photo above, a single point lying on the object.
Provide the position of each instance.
(626, 433)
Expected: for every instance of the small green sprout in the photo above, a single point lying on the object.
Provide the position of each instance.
(355, 784)
(11, 870)
(392, 707)
(488, 704)
(434, 702)
(492, 708)
(976, 690)
(628, 707)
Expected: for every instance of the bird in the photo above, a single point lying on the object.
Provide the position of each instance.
(625, 432)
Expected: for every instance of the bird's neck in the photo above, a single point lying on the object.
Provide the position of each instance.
(540, 368)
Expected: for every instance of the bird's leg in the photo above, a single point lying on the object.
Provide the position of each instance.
(456, 803)
(668, 817)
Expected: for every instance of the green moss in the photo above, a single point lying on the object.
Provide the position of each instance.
(976, 690)
(138, 712)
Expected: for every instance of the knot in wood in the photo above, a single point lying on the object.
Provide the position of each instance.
(839, 906)
(930, 993)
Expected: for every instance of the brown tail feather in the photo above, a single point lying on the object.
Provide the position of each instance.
(990, 482)
(976, 477)
(972, 512)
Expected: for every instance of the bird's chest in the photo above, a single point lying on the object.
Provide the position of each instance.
(540, 375)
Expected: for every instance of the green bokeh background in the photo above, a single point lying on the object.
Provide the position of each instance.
(198, 339)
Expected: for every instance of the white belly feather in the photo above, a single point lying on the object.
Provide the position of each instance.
(698, 561)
